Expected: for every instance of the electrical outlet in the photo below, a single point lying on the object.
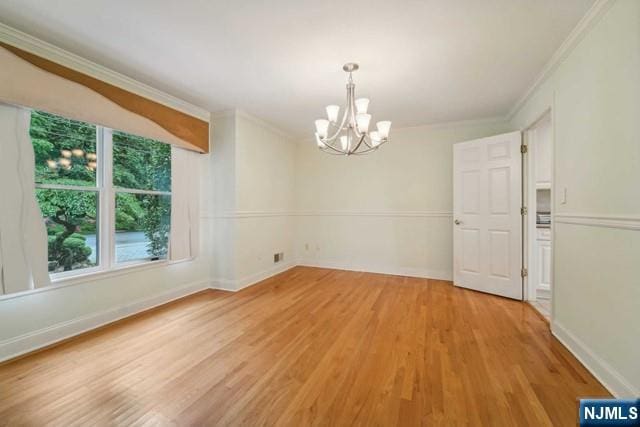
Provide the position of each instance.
(306, 246)
(278, 257)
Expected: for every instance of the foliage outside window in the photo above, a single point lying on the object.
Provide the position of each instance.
(142, 178)
(89, 176)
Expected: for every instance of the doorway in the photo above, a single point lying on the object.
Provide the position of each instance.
(538, 235)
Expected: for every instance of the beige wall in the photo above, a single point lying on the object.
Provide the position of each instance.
(252, 168)
(388, 212)
(595, 99)
(265, 183)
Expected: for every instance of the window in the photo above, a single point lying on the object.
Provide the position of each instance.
(142, 180)
(105, 195)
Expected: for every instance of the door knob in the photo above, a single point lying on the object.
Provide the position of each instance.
(457, 222)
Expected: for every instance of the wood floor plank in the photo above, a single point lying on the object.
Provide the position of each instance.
(310, 346)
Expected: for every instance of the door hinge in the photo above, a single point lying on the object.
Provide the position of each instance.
(524, 211)
(524, 149)
(523, 272)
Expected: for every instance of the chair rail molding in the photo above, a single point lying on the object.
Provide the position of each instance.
(624, 222)
(320, 213)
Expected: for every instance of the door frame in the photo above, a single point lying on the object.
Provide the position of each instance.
(529, 232)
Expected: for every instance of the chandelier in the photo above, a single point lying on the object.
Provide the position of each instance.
(351, 135)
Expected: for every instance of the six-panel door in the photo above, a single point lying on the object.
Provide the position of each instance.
(487, 221)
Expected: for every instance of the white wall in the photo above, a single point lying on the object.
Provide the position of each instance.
(220, 199)
(36, 318)
(265, 194)
(595, 99)
(390, 211)
(253, 170)
(246, 199)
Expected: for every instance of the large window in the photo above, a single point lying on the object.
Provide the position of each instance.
(105, 195)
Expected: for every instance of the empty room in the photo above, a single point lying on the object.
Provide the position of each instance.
(296, 213)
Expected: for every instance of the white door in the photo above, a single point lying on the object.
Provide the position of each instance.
(487, 230)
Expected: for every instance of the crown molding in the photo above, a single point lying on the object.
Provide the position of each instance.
(262, 123)
(588, 21)
(53, 53)
(459, 123)
(236, 112)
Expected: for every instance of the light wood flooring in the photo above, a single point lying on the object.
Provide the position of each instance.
(308, 347)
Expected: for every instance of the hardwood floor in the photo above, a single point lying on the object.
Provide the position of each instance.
(310, 346)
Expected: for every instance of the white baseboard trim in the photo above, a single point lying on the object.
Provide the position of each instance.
(543, 292)
(35, 340)
(236, 285)
(392, 270)
(605, 373)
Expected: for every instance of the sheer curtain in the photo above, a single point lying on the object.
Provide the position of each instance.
(185, 208)
(23, 237)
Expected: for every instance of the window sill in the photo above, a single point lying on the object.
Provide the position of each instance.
(94, 276)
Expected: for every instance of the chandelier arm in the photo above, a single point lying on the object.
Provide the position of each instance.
(351, 99)
(333, 154)
(371, 148)
(358, 145)
(347, 113)
(368, 150)
(337, 150)
(335, 135)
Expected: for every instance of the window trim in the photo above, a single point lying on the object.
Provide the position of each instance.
(107, 264)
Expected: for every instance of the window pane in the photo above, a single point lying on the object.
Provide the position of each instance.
(141, 163)
(142, 226)
(72, 223)
(65, 150)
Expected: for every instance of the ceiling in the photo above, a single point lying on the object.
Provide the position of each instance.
(421, 61)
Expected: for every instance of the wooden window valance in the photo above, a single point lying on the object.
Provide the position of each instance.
(32, 81)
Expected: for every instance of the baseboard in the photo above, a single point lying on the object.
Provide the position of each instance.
(605, 373)
(543, 293)
(32, 341)
(236, 285)
(395, 271)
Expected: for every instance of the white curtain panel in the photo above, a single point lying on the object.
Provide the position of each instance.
(23, 237)
(185, 207)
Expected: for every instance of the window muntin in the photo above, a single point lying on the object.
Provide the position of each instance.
(94, 224)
